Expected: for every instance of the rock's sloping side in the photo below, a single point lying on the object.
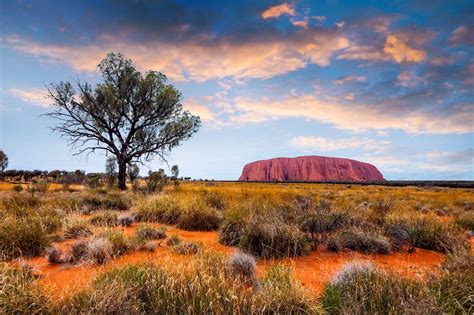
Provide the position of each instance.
(310, 168)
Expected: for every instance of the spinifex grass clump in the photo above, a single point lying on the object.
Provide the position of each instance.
(161, 209)
(197, 216)
(361, 289)
(106, 218)
(267, 236)
(147, 232)
(76, 228)
(199, 286)
(18, 294)
(242, 265)
(369, 242)
(22, 237)
(114, 201)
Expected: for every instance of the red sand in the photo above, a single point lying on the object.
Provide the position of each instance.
(313, 270)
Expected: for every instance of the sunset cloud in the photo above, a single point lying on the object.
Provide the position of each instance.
(356, 117)
(279, 10)
(190, 61)
(327, 144)
(349, 79)
(398, 48)
(34, 96)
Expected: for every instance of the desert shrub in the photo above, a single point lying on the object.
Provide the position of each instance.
(79, 251)
(120, 243)
(17, 188)
(19, 294)
(76, 228)
(455, 286)
(173, 240)
(54, 255)
(430, 233)
(232, 226)
(215, 200)
(270, 237)
(40, 187)
(186, 248)
(96, 202)
(104, 219)
(380, 208)
(360, 240)
(242, 265)
(280, 293)
(465, 220)
(22, 237)
(126, 220)
(19, 205)
(100, 250)
(198, 217)
(149, 233)
(51, 219)
(361, 289)
(162, 209)
(397, 234)
(320, 222)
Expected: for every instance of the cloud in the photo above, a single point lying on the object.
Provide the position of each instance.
(327, 144)
(408, 79)
(199, 62)
(278, 10)
(397, 47)
(300, 23)
(462, 35)
(203, 111)
(34, 96)
(355, 117)
(349, 79)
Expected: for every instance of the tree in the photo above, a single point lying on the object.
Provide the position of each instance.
(175, 171)
(3, 161)
(111, 169)
(132, 116)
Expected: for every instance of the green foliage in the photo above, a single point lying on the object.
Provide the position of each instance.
(162, 209)
(105, 218)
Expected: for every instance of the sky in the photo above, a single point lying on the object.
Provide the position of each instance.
(385, 82)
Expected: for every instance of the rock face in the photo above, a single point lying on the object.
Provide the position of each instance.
(310, 168)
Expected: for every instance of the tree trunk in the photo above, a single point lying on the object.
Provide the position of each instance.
(122, 175)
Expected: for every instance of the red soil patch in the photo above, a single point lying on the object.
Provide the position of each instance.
(313, 270)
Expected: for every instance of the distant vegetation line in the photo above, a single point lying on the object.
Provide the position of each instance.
(396, 183)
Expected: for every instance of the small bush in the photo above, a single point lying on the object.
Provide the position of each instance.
(22, 237)
(126, 220)
(100, 250)
(149, 233)
(397, 235)
(107, 219)
(105, 202)
(162, 210)
(79, 250)
(215, 200)
(270, 237)
(51, 219)
(361, 289)
(186, 248)
(54, 255)
(197, 217)
(17, 188)
(119, 241)
(231, 228)
(77, 228)
(173, 240)
(359, 240)
(242, 265)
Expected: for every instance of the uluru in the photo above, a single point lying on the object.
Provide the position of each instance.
(310, 168)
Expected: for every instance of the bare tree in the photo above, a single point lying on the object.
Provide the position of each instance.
(135, 117)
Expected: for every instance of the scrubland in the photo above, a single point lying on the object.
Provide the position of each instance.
(247, 248)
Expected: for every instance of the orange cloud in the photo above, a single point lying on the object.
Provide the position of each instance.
(357, 117)
(326, 144)
(397, 47)
(191, 61)
(278, 10)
